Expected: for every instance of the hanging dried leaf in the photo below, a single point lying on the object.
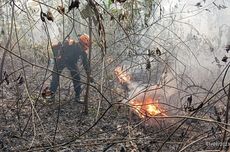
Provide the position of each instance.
(121, 1)
(200, 106)
(42, 16)
(21, 81)
(211, 49)
(220, 6)
(217, 114)
(158, 52)
(198, 4)
(74, 4)
(191, 108)
(225, 59)
(217, 60)
(148, 65)
(6, 78)
(227, 48)
(61, 10)
(120, 17)
(223, 6)
(189, 99)
(150, 53)
(99, 29)
(18, 78)
(3, 32)
(49, 16)
(111, 17)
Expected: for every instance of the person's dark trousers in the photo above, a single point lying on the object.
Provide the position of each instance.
(58, 68)
(76, 80)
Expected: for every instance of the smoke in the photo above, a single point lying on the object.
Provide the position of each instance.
(161, 92)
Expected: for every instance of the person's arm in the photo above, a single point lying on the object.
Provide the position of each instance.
(85, 62)
(56, 50)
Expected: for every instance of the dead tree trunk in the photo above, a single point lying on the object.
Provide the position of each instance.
(89, 72)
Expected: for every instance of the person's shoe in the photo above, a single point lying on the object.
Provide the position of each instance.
(78, 100)
(51, 100)
(48, 95)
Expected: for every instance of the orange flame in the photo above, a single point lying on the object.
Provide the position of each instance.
(122, 76)
(147, 108)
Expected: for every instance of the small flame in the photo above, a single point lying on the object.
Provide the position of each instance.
(122, 76)
(147, 108)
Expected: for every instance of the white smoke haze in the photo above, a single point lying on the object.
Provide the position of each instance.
(194, 41)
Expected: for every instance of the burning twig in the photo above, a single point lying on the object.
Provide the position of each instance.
(147, 107)
(144, 105)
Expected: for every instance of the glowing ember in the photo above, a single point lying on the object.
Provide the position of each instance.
(147, 107)
(122, 76)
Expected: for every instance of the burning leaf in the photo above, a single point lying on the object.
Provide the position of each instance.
(122, 76)
(74, 3)
(42, 14)
(49, 16)
(147, 107)
(61, 10)
(225, 59)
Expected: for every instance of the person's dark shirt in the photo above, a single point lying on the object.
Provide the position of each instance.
(70, 54)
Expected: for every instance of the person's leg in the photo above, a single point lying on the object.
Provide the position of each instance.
(76, 81)
(58, 67)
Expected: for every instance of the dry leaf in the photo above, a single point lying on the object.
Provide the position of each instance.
(61, 9)
(74, 4)
(225, 59)
(42, 16)
(49, 16)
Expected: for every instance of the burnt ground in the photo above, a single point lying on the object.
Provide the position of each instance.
(62, 126)
(29, 123)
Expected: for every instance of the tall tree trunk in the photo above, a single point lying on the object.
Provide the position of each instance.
(88, 73)
(7, 44)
